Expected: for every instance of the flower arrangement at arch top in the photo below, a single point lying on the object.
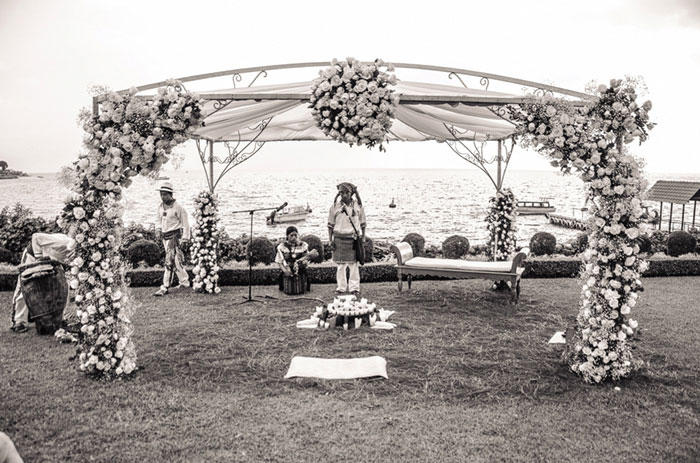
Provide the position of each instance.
(132, 135)
(205, 240)
(353, 102)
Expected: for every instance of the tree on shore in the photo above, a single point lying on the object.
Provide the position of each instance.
(3, 165)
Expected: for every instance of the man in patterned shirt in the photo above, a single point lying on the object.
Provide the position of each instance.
(346, 222)
(173, 227)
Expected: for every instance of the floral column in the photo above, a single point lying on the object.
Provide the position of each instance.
(130, 135)
(590, 140)
(205, 241)
(500, 222)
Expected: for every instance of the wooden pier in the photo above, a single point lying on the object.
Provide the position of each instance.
(568, 222)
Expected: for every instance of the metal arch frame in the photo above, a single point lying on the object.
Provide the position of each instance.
(224, 99)
(486, 77)
(235, 156)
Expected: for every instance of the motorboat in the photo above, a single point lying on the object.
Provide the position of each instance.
(392, 204)
(289, 214)
(534, 208)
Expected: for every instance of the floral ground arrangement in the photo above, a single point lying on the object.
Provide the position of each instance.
(348, 312)
(471, 378)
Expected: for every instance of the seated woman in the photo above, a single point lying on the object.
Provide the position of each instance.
(293, 256)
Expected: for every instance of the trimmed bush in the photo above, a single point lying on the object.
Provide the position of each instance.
(5, 256)
(417, 243)
(327, 251)
(231, 249)
(314, 242)
(542, 243)
(680, 242)
(580, 243)
(644, 243)
(144, 250)
(262, 251)
(369, 249)
(658, 241)
(17, 225)
(455, 246)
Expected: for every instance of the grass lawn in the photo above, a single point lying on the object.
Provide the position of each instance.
(471, 378)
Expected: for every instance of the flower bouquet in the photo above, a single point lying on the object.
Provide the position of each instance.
(353, 102)
(348, 312)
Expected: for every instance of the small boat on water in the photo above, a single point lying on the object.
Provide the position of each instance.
(392, 204)
(289, 214)
(163, 178)
(534, 208)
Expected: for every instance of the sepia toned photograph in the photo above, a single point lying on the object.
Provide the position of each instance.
(349, 231)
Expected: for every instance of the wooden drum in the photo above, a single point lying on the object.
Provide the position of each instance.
(45, 291)
(295, 284)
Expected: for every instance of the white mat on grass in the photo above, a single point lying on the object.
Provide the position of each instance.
(310, 367)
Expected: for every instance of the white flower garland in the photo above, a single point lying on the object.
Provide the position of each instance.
(354, 103)
(130, 135)
(500, 222)
(590, 140)
(205, 242)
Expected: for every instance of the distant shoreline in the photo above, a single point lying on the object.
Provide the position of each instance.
(355, 169)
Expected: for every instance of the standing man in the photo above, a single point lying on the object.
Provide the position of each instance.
(173, 227)
(346, 222)
(56, 246)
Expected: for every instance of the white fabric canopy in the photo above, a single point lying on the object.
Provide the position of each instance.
(417, 119)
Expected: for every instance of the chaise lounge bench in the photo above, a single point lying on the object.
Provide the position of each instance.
(509, 271)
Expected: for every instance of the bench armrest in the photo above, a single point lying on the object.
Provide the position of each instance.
(519, 259)
(403, 252)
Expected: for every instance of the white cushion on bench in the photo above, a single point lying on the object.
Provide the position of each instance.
(464, 265)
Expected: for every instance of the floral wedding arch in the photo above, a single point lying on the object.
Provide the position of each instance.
(132, 132)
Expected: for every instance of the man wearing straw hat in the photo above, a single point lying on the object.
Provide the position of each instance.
(173, 226)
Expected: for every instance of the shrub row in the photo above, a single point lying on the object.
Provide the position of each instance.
(382, 271)
(141, 245)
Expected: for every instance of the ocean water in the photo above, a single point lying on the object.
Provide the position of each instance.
(436, 203)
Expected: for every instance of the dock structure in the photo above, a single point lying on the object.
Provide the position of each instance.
(675, 192)
(567, 222)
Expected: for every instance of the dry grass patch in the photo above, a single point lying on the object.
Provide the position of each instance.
(471, 377)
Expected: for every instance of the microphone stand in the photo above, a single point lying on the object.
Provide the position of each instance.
(250, 247)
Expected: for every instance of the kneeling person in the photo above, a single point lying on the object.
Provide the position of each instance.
(293, 256)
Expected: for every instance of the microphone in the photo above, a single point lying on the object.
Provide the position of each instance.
(281, 207)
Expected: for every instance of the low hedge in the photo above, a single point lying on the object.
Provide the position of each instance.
(385, 271)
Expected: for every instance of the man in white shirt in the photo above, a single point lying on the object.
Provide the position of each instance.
(346, 222)
(56, 246)
(172, 224)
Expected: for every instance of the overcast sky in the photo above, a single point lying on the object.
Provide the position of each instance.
(52, 52)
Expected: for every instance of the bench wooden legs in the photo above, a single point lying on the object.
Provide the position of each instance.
(515, 290)
(408, 278)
